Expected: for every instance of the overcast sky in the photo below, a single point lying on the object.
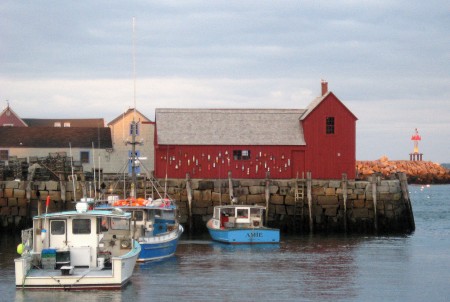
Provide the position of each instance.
(387, 61)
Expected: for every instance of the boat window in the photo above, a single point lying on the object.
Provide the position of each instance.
(81, 226)
(102, 224)
(137, 215)
(255, 212)
(119, 224)
(217, 213)
(58, 227)
(242, 213)
(167, 214)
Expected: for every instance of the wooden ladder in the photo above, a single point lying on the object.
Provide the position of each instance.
(299, 197)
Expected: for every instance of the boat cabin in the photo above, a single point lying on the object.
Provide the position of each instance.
(88, 240)
(239, 216)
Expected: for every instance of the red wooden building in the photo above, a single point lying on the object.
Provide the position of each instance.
(287, 143)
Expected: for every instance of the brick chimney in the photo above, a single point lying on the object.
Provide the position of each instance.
(324, 87)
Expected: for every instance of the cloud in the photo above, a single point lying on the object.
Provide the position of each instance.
(388, 61)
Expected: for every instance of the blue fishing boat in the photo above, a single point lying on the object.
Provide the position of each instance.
(241, 224)
(155, 224)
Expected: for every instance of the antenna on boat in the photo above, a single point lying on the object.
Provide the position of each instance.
(133, 124)
(93, 161)
(73, 178)
(134, 70)
(165, 182)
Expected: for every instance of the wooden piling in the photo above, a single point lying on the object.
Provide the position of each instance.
(373, 181)
(28, 197)
(230, 187)
(189, 196)
(62, 185)
(267, 195)
(344, 196)
(309, 195)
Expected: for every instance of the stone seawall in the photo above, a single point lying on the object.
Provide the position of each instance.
(294, 205)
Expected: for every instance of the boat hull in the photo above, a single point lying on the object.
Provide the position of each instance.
(159, 247)
(245, 235)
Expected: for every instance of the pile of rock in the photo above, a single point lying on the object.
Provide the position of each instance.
(422, 172)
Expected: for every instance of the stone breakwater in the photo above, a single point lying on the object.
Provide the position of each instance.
(294, 206)
(418, 172)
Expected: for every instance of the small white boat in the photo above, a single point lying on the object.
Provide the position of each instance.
(77, 250)
(241, 224)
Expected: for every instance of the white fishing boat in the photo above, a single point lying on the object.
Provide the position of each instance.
(77, 250)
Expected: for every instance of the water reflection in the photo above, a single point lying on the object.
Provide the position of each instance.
(326, 267)
(94, 296)
(302, 268)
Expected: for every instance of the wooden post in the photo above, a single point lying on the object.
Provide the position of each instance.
(28, 196)
(38, 196)
(374, 198)
(309, 195)
(83, 189)
(344, 195)
(230, 187)
(267, 195)
(62, 185)
(189, 196)
(404, 186)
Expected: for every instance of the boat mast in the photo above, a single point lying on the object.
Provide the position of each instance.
(133, 124)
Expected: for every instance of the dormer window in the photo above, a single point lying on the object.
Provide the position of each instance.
(66, 124)
(137, 128)
(57, 124)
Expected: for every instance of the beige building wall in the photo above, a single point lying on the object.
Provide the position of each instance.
(120, 131)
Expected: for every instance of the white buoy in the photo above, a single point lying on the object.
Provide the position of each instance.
(43, 234)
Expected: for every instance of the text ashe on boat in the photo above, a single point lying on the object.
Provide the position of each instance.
(77, 250)
(155, 221)
(241, 224)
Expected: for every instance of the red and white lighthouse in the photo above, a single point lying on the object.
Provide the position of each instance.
(416, 156)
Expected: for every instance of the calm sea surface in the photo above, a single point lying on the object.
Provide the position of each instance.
(301, 268)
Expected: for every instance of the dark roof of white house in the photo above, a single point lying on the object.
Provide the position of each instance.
(229, 126)
(54, 137)
(85, 123)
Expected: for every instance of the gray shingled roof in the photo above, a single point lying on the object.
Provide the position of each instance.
(51, 137)
(229, 126)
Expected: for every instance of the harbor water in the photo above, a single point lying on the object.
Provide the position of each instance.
(338, 267)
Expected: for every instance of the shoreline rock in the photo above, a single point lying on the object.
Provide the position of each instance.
(417, 172)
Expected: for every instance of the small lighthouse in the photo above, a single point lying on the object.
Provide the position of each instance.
(416, 156)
